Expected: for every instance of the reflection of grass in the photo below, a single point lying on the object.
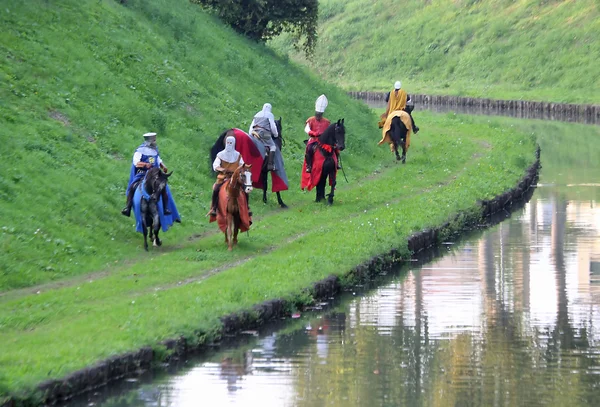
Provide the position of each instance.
(523, 50)
(166, 294)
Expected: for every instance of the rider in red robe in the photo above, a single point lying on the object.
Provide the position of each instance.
(315, 126)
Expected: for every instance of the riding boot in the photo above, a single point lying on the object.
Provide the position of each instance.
(414, 126)
(215, 202)
(308, 157)
(126, 211)
(165, 201)
(271, 161)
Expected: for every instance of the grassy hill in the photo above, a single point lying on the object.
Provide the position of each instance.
(81, 81)
(524, 49)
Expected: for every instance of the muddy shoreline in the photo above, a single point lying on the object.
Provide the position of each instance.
(134, 363)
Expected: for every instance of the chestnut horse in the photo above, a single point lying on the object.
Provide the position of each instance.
(233, 196)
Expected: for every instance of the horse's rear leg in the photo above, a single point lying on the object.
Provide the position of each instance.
(145, 235)
(403, 151)
(321, 188)
(265, 181)
(280, 201)
(236, 229)
(157, 242)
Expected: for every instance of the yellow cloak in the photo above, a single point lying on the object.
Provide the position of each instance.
(385, 137)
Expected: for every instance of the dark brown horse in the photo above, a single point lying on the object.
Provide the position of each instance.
(151, 190)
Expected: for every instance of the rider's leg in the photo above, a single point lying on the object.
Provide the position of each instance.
(127, 209)
(215, 199)
(165, 201)
(308, 156)
(271, 158)
(414, 126)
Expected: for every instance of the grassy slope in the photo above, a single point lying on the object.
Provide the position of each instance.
(523, 49)
(81, 81)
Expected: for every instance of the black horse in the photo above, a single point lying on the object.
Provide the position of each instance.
(152, 187)
(398, 132)
(334, 137)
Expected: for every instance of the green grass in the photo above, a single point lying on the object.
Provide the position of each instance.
(524, 49)
(179, 292)
(82, 80)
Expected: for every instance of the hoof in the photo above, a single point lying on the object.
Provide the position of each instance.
(284, 206)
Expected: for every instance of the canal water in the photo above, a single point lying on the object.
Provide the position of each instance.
(509, 316)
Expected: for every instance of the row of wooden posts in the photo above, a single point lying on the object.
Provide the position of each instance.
(588, 114)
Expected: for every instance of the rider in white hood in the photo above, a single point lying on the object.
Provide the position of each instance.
(264, 126)
(226, 162)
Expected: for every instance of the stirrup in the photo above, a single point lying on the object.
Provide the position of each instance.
(308, 170)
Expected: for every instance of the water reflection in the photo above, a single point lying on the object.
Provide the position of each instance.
(509, 316)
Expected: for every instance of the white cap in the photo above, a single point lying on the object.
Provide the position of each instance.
(321, 104)
(146, 135)
(397, 85)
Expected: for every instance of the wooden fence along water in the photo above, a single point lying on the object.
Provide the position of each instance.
(588, 114)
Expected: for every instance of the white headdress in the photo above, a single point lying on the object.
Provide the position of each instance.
(321, 104)
(397, 85)
(146, 135)
(229, 154)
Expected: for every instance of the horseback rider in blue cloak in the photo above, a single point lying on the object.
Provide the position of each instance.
(145, 157)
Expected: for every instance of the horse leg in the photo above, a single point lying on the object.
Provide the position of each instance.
(321, 188)
(395, 145)
(403, 151)
(229, 236)
(157, 241)
(265, 181)
(236, 228)
(145, 228)
(333, 179)
(280, 201)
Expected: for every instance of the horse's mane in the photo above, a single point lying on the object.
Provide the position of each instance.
(328, 136)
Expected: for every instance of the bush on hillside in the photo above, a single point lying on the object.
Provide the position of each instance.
(261, 20)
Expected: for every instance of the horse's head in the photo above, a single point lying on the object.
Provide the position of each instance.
(242, 176)
(340, 135)
(155, 182)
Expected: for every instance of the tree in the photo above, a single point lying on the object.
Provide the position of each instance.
(261, 20)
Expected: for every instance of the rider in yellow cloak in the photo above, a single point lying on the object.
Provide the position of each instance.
(385, 137)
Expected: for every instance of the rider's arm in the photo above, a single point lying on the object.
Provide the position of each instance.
(274, 131)
(137, 161)
(217, 165)
(137, 157)
(241, 160)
